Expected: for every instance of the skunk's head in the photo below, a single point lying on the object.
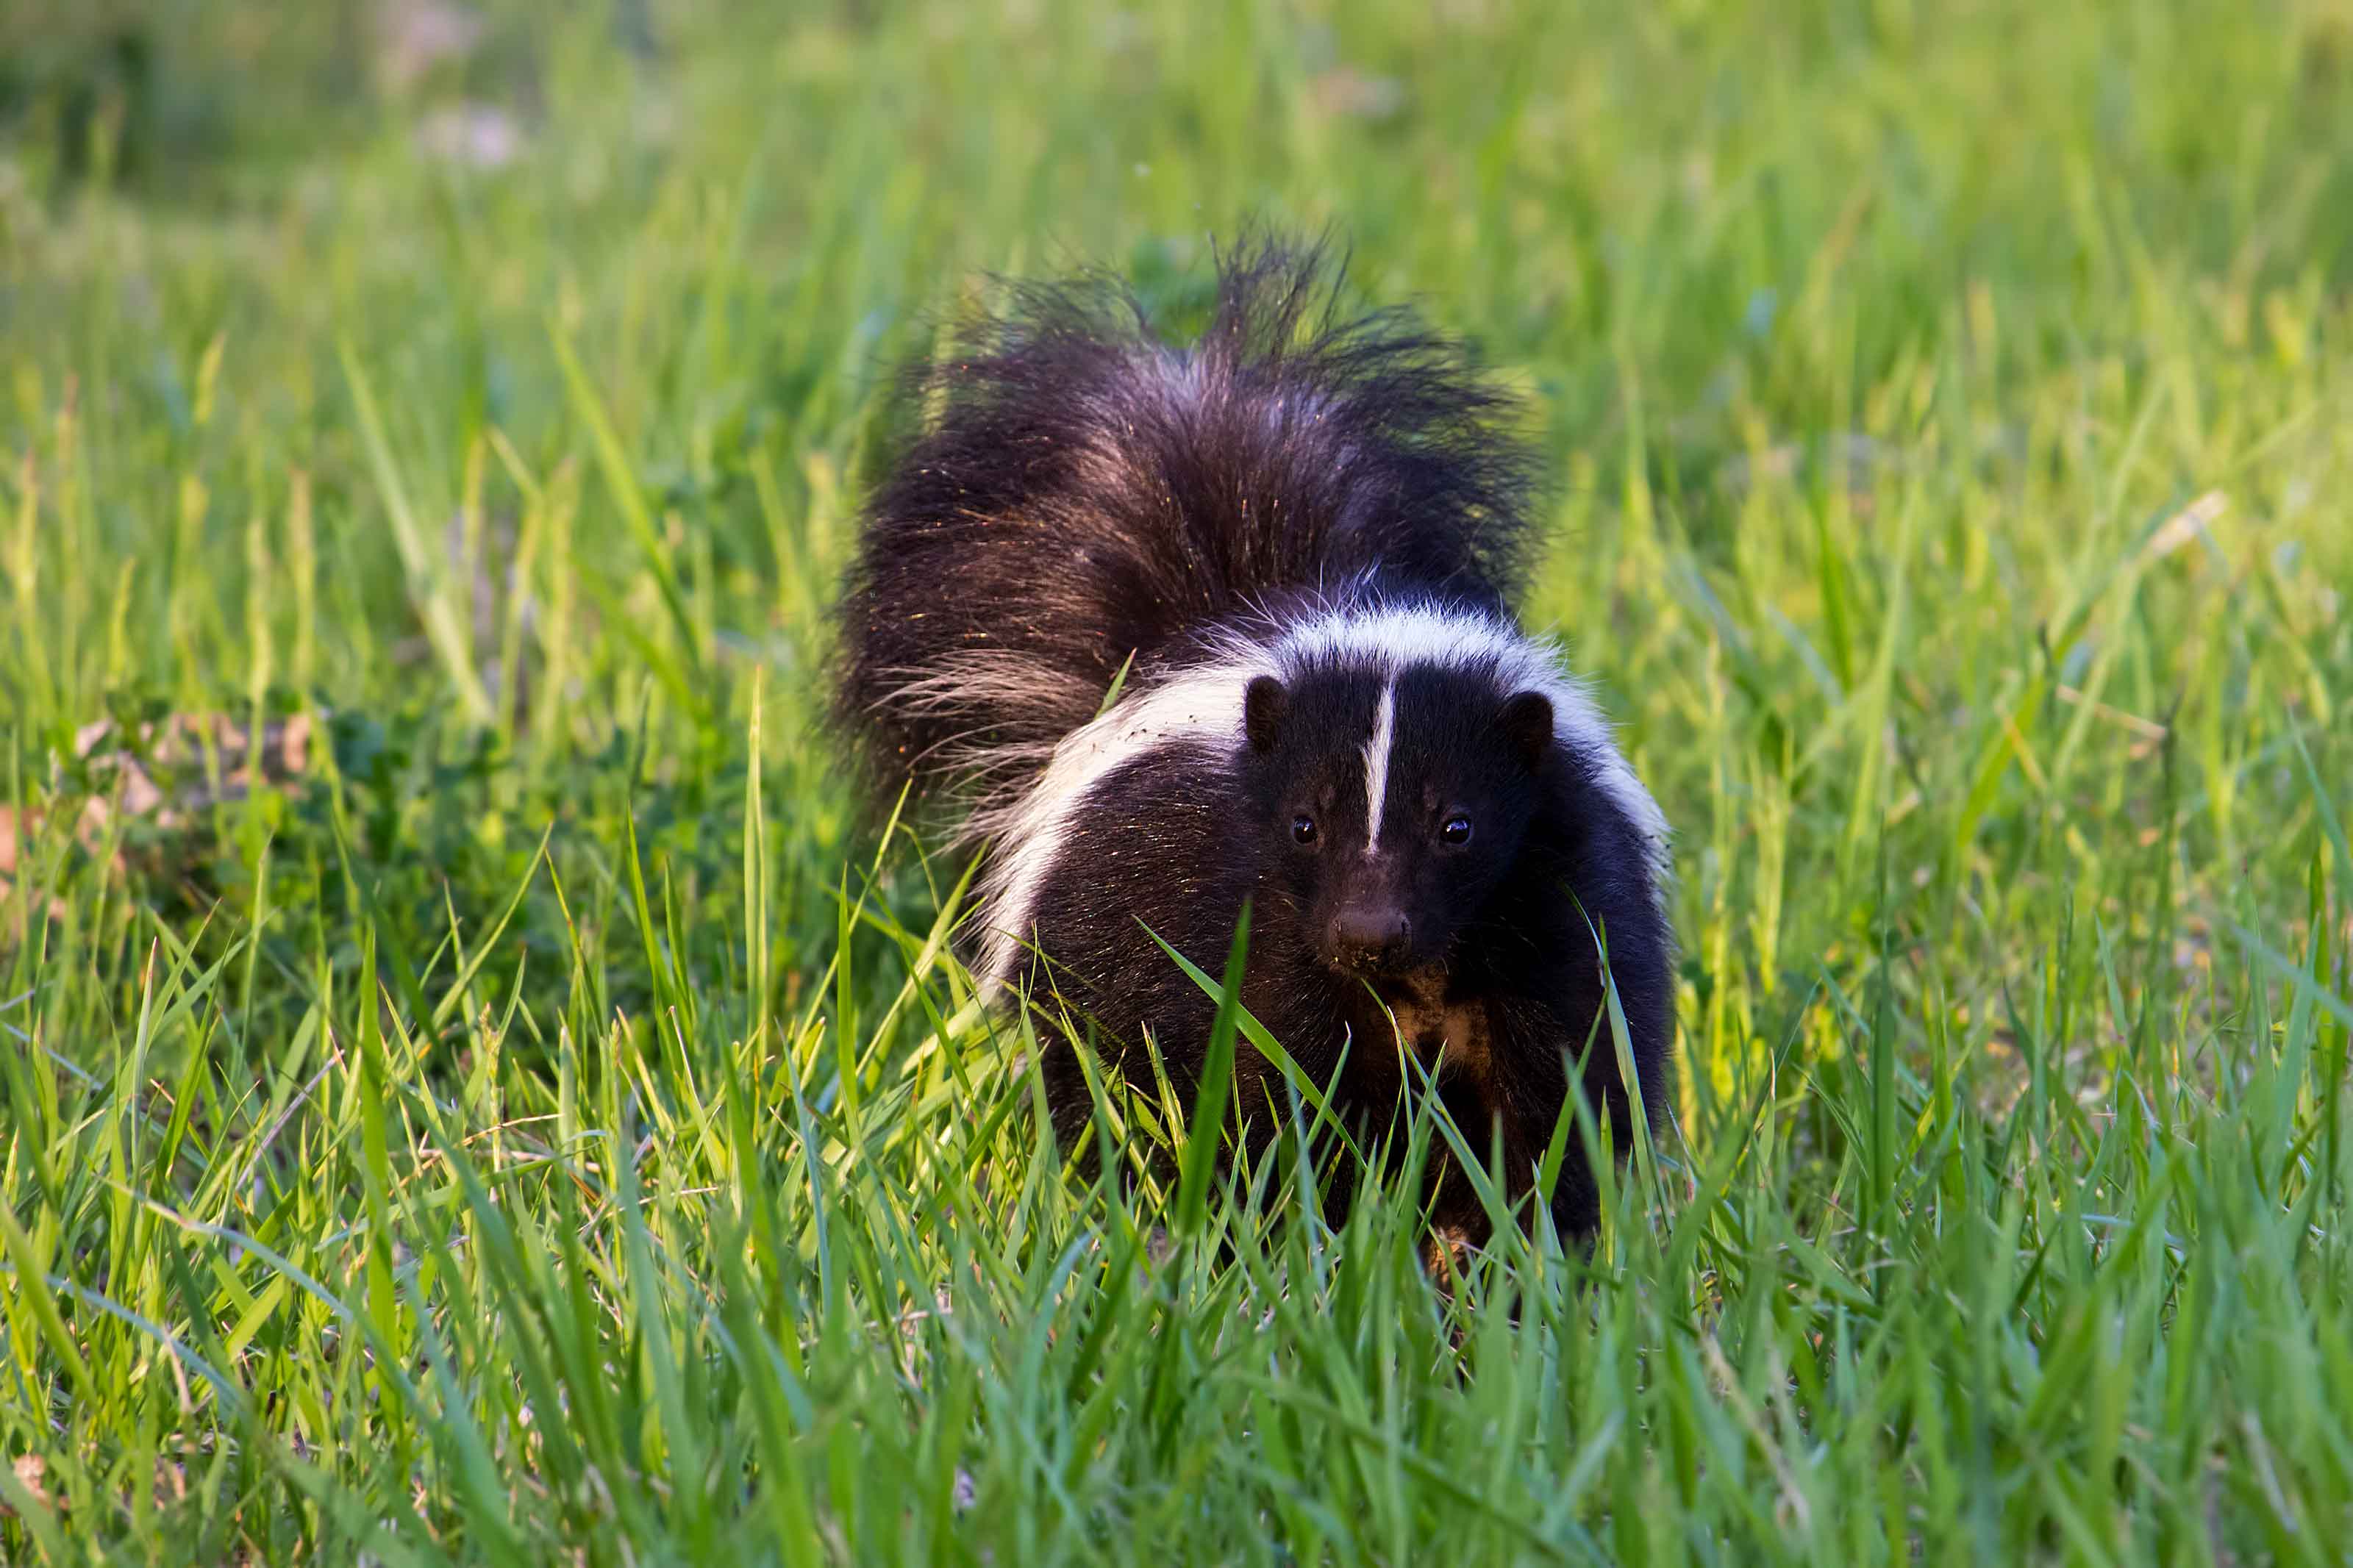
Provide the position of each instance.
(1391, 805)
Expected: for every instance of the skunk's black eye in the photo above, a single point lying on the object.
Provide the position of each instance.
(1303, 829)
(1457, 830)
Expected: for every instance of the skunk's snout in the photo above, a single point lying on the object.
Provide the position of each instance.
(1371, 937)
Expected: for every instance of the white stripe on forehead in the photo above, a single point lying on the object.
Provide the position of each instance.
(1376, 766)
(1199, 706)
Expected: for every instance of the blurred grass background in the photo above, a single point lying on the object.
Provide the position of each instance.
(1948, 407)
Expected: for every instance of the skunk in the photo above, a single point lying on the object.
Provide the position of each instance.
(1291, 551)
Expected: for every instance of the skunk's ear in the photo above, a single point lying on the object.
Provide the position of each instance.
(1265, 704)
(1527, 724)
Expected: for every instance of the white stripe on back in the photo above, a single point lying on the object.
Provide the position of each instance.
(1201, 705)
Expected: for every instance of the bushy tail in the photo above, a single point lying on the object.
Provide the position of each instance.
(1087, 493)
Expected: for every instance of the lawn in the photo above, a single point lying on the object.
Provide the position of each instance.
(473, 1090)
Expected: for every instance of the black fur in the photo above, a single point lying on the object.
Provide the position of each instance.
(1502, 967)
(1080, 500)
(1088, 494)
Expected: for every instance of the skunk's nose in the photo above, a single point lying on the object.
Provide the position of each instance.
(1371, 937)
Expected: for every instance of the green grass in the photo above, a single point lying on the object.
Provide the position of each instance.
(548, 1129)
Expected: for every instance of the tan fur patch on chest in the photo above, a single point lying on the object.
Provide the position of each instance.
(1431, 1025)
